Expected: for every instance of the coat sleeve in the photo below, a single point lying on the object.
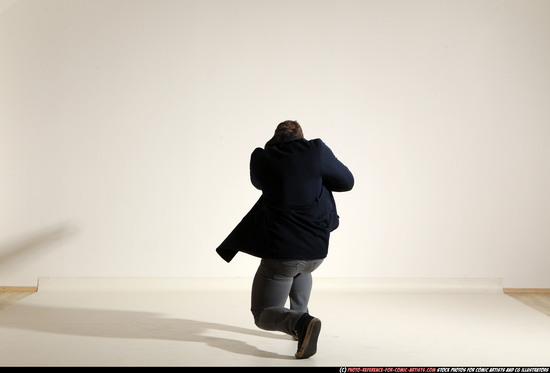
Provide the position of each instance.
(254, 168)
(336, 176)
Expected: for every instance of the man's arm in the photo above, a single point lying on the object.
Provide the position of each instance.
(336, 176)
(254, 168)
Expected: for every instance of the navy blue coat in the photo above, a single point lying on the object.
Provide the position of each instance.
(296, 212)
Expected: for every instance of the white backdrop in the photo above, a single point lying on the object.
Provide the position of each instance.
(126, 128)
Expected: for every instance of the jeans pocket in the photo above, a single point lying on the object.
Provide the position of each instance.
(287, 268)
(312, 265)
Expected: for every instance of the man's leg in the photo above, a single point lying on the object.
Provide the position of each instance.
(300, 292)
(270, 290)
(308, 327)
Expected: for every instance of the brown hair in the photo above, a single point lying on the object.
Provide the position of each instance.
(290, 126)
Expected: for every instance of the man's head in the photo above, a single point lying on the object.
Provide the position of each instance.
(290, 126)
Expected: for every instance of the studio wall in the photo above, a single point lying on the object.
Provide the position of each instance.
(126, 129)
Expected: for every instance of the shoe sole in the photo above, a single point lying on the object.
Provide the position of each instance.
(309, 345)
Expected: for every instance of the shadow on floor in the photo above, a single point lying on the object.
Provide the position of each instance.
(133, 325)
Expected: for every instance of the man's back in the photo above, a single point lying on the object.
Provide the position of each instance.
(289, 174)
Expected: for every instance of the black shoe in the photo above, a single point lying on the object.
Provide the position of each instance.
(307, 329)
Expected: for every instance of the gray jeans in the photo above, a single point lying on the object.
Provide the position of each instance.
(275, 282)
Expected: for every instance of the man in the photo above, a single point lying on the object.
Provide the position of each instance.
(289, 228)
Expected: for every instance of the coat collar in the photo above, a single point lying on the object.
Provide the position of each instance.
(281, 138)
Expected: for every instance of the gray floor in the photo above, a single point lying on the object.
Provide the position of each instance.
(63, 325)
